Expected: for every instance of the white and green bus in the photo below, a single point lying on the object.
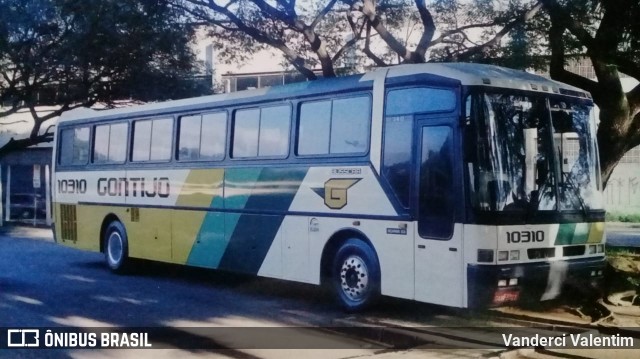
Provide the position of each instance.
(457, 184)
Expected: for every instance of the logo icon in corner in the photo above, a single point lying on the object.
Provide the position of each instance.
(335, 191)
(23, 338)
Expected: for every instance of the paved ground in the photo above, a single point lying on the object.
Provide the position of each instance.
(46, 285)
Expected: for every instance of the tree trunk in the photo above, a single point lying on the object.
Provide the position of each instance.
(613, 136)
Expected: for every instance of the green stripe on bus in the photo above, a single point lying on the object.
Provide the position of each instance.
(211, 242)
(565, 234)
(572, 233)
(581, 234)
(217, 228)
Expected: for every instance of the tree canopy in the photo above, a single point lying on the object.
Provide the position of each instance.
(100, 50)
(607, 32)
(80, 53)
(326, 33)
(332, 34)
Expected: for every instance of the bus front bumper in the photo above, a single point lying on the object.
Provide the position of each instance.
(495, 285)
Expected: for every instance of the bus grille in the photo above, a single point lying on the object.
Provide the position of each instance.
(68, 230)
(541, 253)
(570, 251)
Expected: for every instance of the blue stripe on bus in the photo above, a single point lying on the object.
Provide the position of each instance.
(211, 241)
(253, 234)
(216, 229)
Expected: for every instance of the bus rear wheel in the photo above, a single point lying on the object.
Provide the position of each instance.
(356, 275)
(116, 248)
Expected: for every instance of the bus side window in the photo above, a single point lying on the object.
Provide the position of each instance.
(110, 143)
(213, 138)
(350, 119)
(261, 132)
(189, 140)
(315, 124)
(74, 146)
(202, 137)
(152, 140)
(340, 126)
(400, 108)
(275, 123)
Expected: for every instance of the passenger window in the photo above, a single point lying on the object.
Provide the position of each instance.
(152, 140)
(274, 131)
(202, 137)
(245, 134)
(334, 127)
(74, 146)
(110, 143)
(262, 132)
(213, 140)
(350, 120)
(315, 126)
(189, 142)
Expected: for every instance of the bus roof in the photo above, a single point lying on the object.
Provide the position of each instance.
(484, 75)
(463, 73)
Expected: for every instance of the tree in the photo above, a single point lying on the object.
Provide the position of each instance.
(319, 33)
(607, 32)
(515, 33)
(89, 52)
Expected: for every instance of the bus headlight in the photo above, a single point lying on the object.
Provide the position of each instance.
(514, 255)
(600, 248)
(503, 256)
(591, 249)
(502, 283)
(513, 281)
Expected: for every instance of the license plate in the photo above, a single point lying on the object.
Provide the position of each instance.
(506, 296)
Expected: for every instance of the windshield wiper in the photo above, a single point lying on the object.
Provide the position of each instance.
(576, 192)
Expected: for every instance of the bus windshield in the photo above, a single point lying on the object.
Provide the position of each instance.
(532, 152)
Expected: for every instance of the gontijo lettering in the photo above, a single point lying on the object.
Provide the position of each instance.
(113, 186)
(134, 187)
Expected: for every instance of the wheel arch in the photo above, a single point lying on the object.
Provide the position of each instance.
(333, 245)
(108, 219)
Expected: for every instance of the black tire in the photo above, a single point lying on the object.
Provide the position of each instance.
(116, 248)
(356, 275)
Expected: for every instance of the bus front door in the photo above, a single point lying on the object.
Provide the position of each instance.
(438, 240)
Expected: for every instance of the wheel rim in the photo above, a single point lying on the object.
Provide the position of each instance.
(114, 248)
(354, 278)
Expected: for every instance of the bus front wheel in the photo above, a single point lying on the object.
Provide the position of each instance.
(116, 247)
(356, 275)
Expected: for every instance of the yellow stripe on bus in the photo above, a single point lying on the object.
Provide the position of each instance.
(596, 232)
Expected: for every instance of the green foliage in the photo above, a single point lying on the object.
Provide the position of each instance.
(621, 217)
(94, 51)
(82, 52)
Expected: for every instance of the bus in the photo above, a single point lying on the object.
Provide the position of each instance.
(456, 184)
